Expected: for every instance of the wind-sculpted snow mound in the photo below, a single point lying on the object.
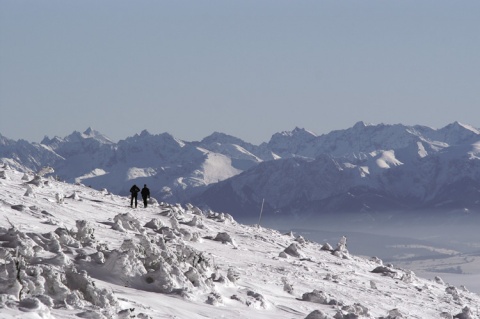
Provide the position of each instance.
(34, 282)
(146, 262)
(38, 273)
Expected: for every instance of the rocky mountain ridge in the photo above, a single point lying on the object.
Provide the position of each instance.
(365, 168)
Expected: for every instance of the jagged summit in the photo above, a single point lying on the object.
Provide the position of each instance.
(459, 127)
(49, 141)
(288, 143)
(145, 133)
(456, 133)
(91, 133)
(362, 124)
(4, 140)
(162, 138)
(297, 132)
(76, 136)
(222, 138)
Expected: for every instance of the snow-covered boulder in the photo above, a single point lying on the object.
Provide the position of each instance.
(34, 305)
(37, 180)
(154, 224)
(408, 277)
(446, 315)
(287, 285)
(466, 313)
(214, 299)
(316, 296)
(355, 310)
(316, 314)
(327, 247)
(85, 232)
(19, 208)
(29, 192)
(59, 197)
(194, 222)
(127, 222)
(45, 170)
(439, 280)
(220, 217)
(75, 196)
(82, 282)
(225, 238)
(282, 254)
(453, 292)
(300, 240)
(384, 271)
(394, 314)
(174, 223)
(293, 250)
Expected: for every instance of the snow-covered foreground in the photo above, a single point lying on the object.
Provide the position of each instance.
(68, 251)
(453, 253)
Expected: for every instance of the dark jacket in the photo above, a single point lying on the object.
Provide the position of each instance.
(145, 192)
(134, 190)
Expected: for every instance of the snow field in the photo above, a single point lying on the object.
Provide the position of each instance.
(69, 251)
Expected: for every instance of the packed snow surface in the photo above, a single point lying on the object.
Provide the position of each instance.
(69, 251)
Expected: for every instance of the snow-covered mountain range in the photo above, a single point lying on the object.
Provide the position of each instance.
(365, 168)
(70, 251)
(173, 168)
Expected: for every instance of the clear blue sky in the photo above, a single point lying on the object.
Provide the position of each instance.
(245, 68)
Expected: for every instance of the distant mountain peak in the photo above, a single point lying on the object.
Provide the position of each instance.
(91, 133)
(296, 134)
(460, 126)
(145, 133)
(362, 124)
(4, 140)
(88, 134)
(298, 131)
(163, 138)
(219, 134)
(218, 137)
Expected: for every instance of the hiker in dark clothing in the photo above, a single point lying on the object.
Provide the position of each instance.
(134, 191)
(145, 195)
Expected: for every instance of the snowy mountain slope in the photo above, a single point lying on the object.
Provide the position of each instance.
(81, 153)
(240, 152)
(230, 146)
(26, 156)
(443, 181)
(175, 167)
(420, 174)
(69, 251)
(291, 143)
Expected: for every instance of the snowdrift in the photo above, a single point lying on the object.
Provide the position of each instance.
(69, 251)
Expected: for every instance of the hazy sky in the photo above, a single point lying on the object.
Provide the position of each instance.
(245, 68)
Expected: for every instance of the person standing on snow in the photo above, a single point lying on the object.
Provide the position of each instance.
(145, 195)
(134, 191)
